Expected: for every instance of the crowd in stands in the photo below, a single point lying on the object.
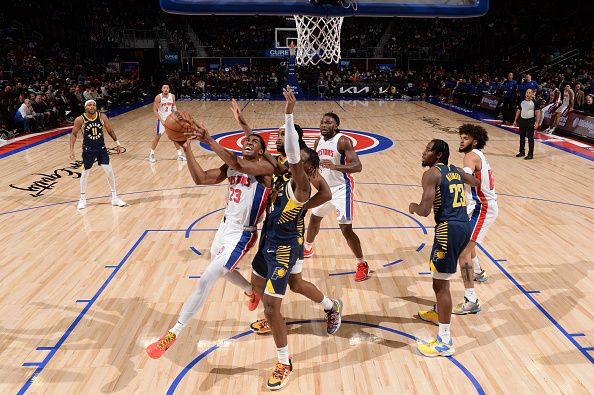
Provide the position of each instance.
(46, 74)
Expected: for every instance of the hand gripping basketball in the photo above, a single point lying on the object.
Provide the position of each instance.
(177, 124)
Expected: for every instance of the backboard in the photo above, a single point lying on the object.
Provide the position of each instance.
(375, 8)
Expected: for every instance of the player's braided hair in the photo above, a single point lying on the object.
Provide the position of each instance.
(441, 147)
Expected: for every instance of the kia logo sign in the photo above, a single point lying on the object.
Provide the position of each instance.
(363, 142)
(353, 90)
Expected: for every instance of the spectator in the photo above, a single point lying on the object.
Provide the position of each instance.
(26, 117)
(579, 95)
(588, 105)
(510, 91)
(528, 83)
(562, 109)
(40, 107)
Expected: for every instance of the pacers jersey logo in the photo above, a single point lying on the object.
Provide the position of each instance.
(93, 132)
(363, 142)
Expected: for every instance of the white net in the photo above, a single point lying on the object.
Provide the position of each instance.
(318, 39)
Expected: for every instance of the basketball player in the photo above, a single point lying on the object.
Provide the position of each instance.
(338, 161)
(249, 184)
(482, 209)
(443, 187)
(281, 247)
(332, 308)
(163, 105)
(94, 125)
(562, 107)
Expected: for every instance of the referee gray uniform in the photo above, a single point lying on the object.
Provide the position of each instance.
(528, 110)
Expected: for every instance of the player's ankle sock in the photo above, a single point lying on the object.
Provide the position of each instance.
(179, 152)
(308, 245)
(177, 328)
(152, 152)
(283, 354)
(477, 266)
(444, 332)
(361, 260)
(470, 295)
(327, 303)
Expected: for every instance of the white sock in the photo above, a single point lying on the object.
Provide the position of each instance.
(177, 328)
(179, 152)
(308, 245)
(84, 177)
(444, 332)
(327, 303)
(152, 152)
(477, 267)
(237, 279)
(470, 295)
(111, 179)
(283, 354)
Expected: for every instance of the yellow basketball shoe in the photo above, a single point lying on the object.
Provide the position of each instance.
(429, 315)
(261, 326)
(280, 376)
(437, 348)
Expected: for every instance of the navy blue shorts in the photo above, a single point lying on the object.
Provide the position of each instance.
(450, 239)
(279, 259)
(92, 154)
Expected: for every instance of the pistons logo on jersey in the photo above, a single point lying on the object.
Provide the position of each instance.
(363, 142)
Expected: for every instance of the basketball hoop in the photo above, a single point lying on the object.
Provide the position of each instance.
(318, 39)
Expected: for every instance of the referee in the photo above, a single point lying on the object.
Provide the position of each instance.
(527, 118)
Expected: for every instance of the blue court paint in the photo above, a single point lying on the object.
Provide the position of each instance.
(111, 266)
(569, 336)
(189, 229)
(588, 348)
(532, 292)
(477, 386)
(500, 260)
(424, 273)
(577, 334)
(340, 274)
(31, 363)
(193, 276)
(393, 263)
(421, 247)
(44, 348)
(195, 251)
(83, 300)
(80, 316)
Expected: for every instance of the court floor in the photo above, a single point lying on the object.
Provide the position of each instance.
(83, 292)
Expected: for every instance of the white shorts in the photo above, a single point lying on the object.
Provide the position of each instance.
(231, 243)
(482, 216)
(341, 203)
(160, 127)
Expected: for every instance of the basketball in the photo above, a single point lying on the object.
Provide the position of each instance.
(178, 123)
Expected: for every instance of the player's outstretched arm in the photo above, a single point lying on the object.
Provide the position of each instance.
(238, 115)
(253, 168)
(201, 177)
(431, 179)
(301, 187)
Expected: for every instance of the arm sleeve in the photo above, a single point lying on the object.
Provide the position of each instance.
(291, 140)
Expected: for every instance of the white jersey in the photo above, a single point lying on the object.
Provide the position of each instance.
(486, 191)
(328, 150)
(166, 106)
(247, 198)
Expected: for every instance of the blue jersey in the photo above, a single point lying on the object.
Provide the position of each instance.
(93, 130)
(450, 202)
(284, 218)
